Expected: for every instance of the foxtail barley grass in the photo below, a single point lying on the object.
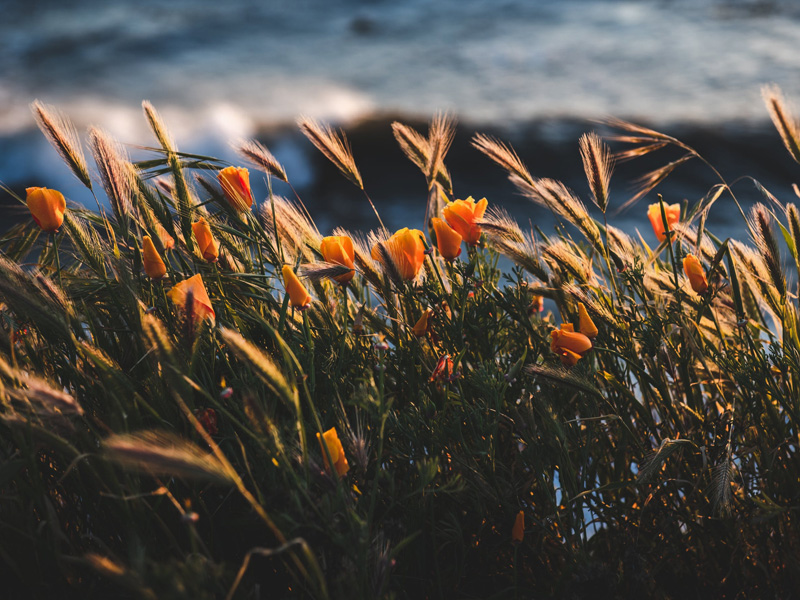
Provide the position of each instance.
(163, 445)
(60, 132)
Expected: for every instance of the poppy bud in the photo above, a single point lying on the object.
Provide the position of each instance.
(153, 265)
(569, 345)
(209, 248)
(421, 327)
(298, 296)
(338, 249)
(694, 271)
(336, 451)
(586, 325)
(235, 182)
(518, 531)
(673, 214)
(47, 207)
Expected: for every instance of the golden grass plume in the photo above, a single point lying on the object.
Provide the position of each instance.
(334, 146)
(784, 121)
(165, 453)
(258, 155)
(61, 134)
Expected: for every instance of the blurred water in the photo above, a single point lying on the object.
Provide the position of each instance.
(218, 71)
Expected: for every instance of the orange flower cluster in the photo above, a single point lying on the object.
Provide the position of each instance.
(571, 345)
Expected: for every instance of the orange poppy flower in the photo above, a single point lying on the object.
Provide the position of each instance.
(405, 250)
(235, 182)
(673, 214)
(696, 274)
(335, 449)
(209, 247)
(47, 207)
(448, 240)
(298, 296)
(569, 344)
(338, 249)
(201, 304)
(153, 265)
(461, 216)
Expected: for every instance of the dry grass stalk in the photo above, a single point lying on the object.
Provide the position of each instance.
(418, 149)
(767, 245)
(87, 242)
(334, 146)
(636, 152)
(257, 155)
(297, 233)
(50, 400)
(641, 135)
(388, 263)
(562, 375)
(783, 120)
(652, 465)
(262, 366)
(413, 144)
(54, 295)
(319, 270)
(557, 197)
(504, 155)
(159, 129)
(793, 220)
(363, 257)
(115, 171)
(648, 182)
(525, 254)
(658, 282)
(61, 134)
(565, 257)
(758, 277)
(497, 223)
(621, 243)
(440, 137)
(164, 453)
(598, 165)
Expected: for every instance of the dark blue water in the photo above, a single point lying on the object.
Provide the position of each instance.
(219, 71)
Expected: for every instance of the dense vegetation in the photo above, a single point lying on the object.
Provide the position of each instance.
(203, 397)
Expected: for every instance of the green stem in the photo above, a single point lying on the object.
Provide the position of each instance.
(58, 260)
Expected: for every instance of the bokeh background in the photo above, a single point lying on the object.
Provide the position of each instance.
(537, 73)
